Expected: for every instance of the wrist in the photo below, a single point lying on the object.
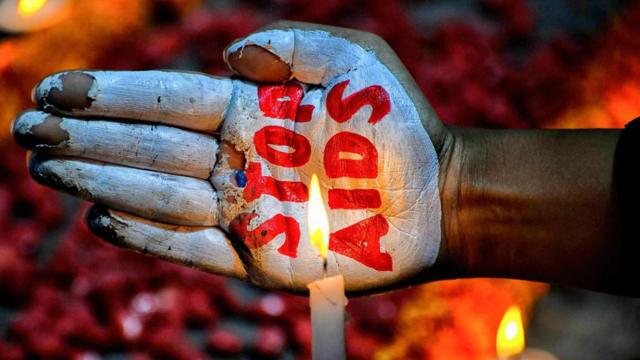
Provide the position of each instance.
(462, 163)
(530, 204)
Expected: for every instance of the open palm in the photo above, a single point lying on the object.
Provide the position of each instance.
(214, 172)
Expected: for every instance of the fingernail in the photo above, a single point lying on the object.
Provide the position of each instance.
(47, 171)
(71, 93)
(34, 128)
(258, 64)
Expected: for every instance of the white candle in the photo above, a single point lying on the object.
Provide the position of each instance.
(327, 301)
(326, 296)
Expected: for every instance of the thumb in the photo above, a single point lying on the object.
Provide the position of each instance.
(316, 54)
(321, 52)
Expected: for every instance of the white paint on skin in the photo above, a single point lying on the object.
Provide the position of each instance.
(204, 247)
(189, 100)
(407, 166)
(154, 147)
(320, 57)
(52, 81)
(162, 197)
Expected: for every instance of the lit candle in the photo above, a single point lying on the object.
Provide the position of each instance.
(326, 296)
(30, 15)
(510, 343)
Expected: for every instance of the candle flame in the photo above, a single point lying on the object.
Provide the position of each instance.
(317, 220)
(30, 7)
(510, 337)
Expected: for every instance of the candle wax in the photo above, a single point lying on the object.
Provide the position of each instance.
(327, 301)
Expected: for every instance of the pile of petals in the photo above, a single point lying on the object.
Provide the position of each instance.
(66, 294)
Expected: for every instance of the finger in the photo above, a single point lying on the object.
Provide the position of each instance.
(156, 196)
(310, 53)
(205, 248)
(160, 148)
(190, 100)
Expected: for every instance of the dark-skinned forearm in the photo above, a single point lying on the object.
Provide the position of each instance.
(534, 204)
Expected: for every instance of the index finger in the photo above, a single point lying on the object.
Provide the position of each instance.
(184, 99)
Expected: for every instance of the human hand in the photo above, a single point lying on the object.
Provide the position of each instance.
(144, 146)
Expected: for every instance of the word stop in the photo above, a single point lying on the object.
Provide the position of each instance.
(359, 241)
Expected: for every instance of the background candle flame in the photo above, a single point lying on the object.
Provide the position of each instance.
(29, 7)
(317, 220)
(510, 337)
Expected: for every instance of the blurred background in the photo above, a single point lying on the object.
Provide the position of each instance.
(64, 294)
